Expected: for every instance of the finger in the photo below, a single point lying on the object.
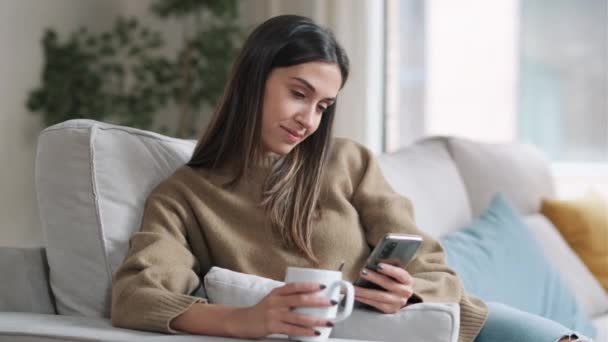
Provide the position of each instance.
(389, 283)
(306, 300)
(405, 291)
(306, 321)
(378, 296)
(378, 305)
(383, 281)
(298, 287)
(397, 273)
(292, 330)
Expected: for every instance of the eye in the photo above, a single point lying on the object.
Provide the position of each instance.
(321, 109)
(297, 94)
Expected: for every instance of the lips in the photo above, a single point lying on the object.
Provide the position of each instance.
(293, 133)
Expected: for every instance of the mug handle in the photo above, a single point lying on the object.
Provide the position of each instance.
(350, 299)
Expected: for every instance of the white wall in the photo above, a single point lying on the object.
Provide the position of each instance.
(22, 24)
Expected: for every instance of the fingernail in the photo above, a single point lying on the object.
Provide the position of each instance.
(322, 287)
(379, 267)
(364, 272)
(330, 324)
(317, 333)
(333, 302)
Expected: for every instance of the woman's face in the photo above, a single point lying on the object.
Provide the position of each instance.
(295, 98)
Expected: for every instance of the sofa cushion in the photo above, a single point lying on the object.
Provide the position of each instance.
(223, 286)
(583, 222)
(92, 180)
(587, 290)
(426, 174)
(25, 288)
(499, 260)
(519, 171)
(427, 322)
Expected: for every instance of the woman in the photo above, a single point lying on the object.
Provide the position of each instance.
(267, 188)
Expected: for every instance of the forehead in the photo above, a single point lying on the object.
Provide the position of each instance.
(324, 77)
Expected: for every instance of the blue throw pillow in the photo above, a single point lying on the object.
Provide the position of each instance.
(499, 260)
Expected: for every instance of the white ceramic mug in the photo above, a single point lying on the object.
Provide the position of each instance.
(333, 282)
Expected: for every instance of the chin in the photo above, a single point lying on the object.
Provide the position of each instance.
(281, 149)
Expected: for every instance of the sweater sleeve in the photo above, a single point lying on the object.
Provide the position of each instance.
(382, 210)
(153, 284)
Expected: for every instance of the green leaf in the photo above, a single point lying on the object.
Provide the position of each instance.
(107, 50)
(106, 37)
(135, 50)
(132, 23)
(91, 41)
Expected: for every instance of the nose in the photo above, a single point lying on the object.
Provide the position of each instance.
(306, 118)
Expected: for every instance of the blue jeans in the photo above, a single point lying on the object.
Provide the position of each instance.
(507, 324)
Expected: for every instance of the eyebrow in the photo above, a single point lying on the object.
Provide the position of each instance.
(309, 86)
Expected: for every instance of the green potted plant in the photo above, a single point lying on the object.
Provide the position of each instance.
(121, 75)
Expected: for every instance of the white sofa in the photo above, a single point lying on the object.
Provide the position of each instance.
(92, 179)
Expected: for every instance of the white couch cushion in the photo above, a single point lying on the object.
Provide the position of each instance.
(231, 288)
(519, 171)
(25, 288)
(427, 322)
(92, 180)
(587, 290)
(426, 174)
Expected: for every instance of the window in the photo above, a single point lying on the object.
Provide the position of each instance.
(534, 71)
(562, 103)
(454, 70)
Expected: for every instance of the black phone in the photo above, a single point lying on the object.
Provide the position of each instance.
(394, 249)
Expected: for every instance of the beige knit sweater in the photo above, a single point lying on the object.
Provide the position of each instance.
(192, 223)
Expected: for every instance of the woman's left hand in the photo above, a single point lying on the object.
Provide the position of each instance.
(397, 282)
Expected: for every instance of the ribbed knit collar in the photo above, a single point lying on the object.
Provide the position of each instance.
(258, 169)
(267, 161)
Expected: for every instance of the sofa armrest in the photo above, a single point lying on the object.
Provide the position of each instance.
(25, 286)
(28, 327)
(428, 322)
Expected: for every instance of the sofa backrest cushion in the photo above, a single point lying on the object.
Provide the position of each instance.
(518, 170)
(25, 288)
(92, 180)
(426, 174)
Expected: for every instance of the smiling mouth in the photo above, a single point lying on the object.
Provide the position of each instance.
(294, 134)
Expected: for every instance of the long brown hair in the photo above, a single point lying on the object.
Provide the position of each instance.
(290, 194)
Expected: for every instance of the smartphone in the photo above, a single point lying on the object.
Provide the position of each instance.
(394, 249)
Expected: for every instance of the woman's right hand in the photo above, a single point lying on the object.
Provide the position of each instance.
(274, 315)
